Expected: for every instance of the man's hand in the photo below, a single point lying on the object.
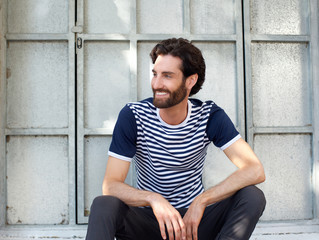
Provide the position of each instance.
(192, 219)
(168, 216)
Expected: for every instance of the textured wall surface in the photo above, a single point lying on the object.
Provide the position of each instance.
(259, 59)
(37, 170)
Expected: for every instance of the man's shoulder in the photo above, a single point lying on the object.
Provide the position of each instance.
(144, 107)
(148, 102)
(208, 104)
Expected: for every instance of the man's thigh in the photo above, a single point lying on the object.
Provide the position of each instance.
(139, 223)
(235, 216)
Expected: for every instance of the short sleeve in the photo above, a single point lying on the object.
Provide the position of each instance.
(220, 129)
(123, 145)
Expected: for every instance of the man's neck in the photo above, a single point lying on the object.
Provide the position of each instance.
(175, 115)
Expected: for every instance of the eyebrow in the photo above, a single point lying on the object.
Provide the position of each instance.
(166, 72)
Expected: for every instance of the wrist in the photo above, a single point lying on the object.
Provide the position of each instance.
(201, 200)
(151, 197)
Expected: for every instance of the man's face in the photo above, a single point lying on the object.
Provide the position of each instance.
(168, 82)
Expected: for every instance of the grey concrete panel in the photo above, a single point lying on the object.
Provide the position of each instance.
(98, 14)
(95, 159)
(38, 16)
(287, 162)
(106, 82)
(37, 84)
(279, 17)
(155, 16)
(95, 154)
(37, 180)
(144, 69)
(280, 84)
(213, 17)
(217, 167)
(221, 83)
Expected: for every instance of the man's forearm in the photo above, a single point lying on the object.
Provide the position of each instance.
(130, 195)
(241, 178)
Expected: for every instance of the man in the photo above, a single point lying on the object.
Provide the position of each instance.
(167, 136)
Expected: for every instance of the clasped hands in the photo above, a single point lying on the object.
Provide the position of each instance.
(178, 228)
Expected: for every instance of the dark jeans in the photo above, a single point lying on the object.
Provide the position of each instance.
(229, 219)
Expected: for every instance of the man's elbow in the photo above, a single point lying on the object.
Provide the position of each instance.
(260, 174)
(106, 188)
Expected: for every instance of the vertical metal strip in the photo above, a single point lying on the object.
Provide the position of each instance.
(240, 118)
(80, 136)
(71, 106)
(314, 49)
(187, 17)
(133, 17)
(248, 76)
(80, 194)
(3, 47)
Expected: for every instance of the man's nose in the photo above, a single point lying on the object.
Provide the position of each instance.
(157, 82)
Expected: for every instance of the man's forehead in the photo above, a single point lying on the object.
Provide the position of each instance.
(167, 63)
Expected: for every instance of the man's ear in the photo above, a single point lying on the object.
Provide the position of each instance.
(192, 80)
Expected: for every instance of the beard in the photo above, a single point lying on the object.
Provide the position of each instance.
(175, 97)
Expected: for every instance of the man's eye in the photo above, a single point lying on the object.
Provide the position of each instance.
(168, 76)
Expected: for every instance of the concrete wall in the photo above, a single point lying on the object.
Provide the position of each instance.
(59, 103)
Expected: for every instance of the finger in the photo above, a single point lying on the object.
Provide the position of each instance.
(170, 230)
(194, 230)
(177, 229)
(188, 232)
(183, 229)
(162, 229)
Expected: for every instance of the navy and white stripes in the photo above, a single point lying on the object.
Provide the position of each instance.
(169, 159)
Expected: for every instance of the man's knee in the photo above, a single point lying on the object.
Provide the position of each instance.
(106, 205)
(253, 199)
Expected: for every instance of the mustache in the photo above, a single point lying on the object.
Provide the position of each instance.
(160, 90)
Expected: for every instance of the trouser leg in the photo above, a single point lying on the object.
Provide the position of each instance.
(247, 207)
(105, 218)
(234, 218)
(110, 217)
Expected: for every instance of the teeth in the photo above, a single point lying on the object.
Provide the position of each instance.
(160, 93)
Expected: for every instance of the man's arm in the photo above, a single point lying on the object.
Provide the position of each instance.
(250, 172)
(166, 214)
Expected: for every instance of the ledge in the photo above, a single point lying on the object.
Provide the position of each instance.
(292, 230)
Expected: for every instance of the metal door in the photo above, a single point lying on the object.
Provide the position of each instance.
(281, 45)
(37, 112)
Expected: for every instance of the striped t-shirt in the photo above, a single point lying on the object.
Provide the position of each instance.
(169, 159)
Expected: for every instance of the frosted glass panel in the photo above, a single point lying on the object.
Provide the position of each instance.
(213, 17)
(163, 16)
(95, 154)
(280, 81)
(106, 82)
(279, 17)
(37, 183)
(220, 82)
(38, 16)
(287, 163)
(98, 14)
(37, 85)
(144, 69)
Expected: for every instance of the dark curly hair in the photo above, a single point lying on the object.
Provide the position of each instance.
(191, 56)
